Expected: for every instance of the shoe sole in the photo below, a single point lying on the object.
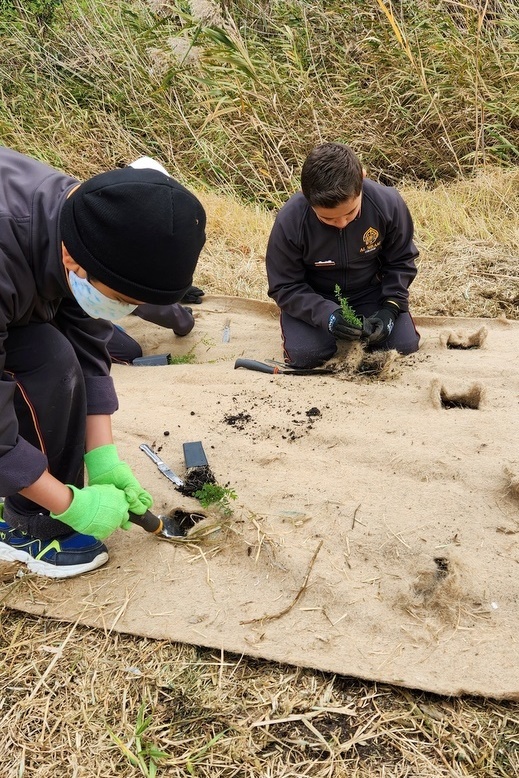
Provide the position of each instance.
(46, 569)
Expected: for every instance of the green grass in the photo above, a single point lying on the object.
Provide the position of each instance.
(139, 752)
(182, 359)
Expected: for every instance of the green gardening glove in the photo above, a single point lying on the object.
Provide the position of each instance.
(96, 511)
(104, 467)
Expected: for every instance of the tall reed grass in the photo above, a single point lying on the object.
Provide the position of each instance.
(423, 91)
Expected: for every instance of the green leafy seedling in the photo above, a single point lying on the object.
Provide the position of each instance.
(217, 496)
(190, 356)
(139, 752)
(347, 311)
(182, 359)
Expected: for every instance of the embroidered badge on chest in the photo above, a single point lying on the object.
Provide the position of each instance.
(371, 240)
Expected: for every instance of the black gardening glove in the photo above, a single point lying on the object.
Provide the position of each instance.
(342, 329)
(382, 322)
(193, 295)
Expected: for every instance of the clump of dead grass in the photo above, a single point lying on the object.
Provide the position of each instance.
(438, 590)
(460, 339)
(471, 397)
(512, 473)
(353, 362)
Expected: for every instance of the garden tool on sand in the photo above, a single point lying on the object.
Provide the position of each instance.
(167, 527)
(163, 526)
(163, 467)
(263, 367)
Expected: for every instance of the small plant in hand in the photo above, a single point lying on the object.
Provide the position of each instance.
(217, 496)
(347, 311)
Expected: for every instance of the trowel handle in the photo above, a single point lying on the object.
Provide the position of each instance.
(148, 521)
(152, 455)
(253, 364)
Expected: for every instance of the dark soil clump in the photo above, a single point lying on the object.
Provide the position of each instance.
(185, 520)
(237, 420)
(196, 478)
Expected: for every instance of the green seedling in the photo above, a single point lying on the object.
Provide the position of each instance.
(347, 311)
(140, 753)
(183, 359)
(190, 357)
(217, 496)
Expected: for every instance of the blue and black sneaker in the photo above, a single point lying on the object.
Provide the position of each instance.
(61, 557)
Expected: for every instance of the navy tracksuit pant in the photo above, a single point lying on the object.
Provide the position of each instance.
(306, 346)
(50, 403)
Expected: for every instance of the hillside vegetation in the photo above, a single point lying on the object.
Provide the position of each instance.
(233, 95)
(230, 97)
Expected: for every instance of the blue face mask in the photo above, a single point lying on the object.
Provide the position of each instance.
(97, 305)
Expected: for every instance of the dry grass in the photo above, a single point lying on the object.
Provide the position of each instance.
(233, 261)
(424, 90)
(467, 233)
(353, 362)
(83, 703)
(80, 702)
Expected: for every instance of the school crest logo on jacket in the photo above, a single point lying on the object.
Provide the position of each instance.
(371, 240)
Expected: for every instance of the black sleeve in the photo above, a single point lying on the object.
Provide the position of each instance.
(89, 338)
(287, 278)
(398, 255)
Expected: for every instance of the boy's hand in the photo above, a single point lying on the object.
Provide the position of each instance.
(382, 322)
(96, 511)
(104, 467)
(342, 329)
(193, 295)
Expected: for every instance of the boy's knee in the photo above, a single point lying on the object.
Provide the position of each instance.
(410, 347)
(126, 354)
(404, 338)
(403, 347)
(123, 348)
(307, 359)
(408, 341)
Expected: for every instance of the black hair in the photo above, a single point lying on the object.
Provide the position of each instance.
(332, 173)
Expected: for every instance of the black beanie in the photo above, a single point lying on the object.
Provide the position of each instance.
(138, 231)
